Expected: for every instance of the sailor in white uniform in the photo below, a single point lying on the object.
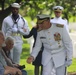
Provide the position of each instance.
(58, 19)
(16, 26)
(54, 38)
(58, 10)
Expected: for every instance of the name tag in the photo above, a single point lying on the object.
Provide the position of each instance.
(42, 37)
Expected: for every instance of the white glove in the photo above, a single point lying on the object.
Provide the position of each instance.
(14, 30)
(68, 63)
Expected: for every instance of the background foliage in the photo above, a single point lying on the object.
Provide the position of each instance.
(31, 8)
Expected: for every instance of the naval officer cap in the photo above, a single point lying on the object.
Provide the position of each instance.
(42, 17)
(15, 5)
(58, 8)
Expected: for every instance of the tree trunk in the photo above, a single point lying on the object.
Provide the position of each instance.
(3, 14)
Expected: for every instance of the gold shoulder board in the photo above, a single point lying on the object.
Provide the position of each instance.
(60, 25)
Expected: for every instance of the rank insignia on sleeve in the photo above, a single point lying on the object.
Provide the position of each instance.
(60, 25)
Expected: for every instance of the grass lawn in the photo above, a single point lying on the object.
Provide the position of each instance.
(30, 68)
(25, 53)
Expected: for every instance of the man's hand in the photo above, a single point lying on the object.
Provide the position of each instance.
(12, 70)
(16, 65)
(30, 59)
(9, 70)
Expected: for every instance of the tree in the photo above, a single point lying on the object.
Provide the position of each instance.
(34, 7)
(5, 11)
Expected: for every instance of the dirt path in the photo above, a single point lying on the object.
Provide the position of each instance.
(74, 73)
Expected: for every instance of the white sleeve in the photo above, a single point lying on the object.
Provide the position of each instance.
(68, 44)
(37, 47)
(6, 29)
(25, 26)
(67, 25)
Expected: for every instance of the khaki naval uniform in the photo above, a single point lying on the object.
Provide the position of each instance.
(54, 40)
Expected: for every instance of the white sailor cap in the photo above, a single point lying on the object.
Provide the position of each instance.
(42, 17)
(15, 5)
(58, 8)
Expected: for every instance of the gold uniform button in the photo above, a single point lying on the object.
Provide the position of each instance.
(48, 32)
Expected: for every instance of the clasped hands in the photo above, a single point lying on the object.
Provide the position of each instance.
(12, 71)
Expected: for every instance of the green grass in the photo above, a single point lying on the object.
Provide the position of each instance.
(25, 53)
(30, 68)
(72, 19)
(30, 22)
(72, 68)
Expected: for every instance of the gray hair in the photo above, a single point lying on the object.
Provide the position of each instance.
(9, 38)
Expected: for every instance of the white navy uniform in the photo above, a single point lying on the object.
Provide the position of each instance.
(59, 20)
(54, 40)
(10, 28)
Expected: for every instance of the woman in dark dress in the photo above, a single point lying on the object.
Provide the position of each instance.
(37, 61)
